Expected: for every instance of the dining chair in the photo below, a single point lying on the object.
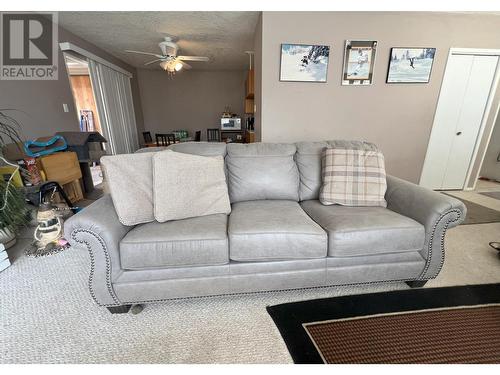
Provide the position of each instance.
(147, 137)
(170, 139)
(213, 135)
(164, 139)
(161, 139)
(197, 136)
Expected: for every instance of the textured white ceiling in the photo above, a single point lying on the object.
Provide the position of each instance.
(222, 36)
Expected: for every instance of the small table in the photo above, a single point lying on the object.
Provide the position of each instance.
(232, 135)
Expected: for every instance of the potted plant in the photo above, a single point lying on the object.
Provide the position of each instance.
(13, 213)
(13, 209)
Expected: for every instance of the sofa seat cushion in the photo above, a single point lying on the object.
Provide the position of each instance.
(199, 241)
(358, 231)
(273, 230)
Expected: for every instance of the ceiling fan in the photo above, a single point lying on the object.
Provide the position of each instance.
(169, 61)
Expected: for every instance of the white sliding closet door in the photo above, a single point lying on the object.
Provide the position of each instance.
(113, 96)
(467, 86)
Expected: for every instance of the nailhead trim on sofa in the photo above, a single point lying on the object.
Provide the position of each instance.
(118, 302)
(429, 248)
(92, 265)
(263, 291)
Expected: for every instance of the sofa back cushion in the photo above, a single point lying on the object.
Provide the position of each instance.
(308, 160)
(262, 171)
(150, 149)
(200, 148)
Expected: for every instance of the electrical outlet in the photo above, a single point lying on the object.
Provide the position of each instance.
(65, 107)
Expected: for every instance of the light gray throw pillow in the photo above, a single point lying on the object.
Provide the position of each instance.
(186, 185)
(129, 178)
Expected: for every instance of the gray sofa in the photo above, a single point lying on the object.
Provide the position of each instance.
(278, 235)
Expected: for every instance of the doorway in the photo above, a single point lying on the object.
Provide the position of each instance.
(466, 99)
(104, 104)
(112, 96)
(490, 169)
(86, 109)
(83, 95)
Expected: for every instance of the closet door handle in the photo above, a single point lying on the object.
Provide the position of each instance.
(458, 133)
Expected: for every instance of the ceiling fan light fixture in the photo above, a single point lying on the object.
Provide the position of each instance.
(168, 66)
(169, 60)
(164, 65)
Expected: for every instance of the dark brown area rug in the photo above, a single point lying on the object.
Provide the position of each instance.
(434, 325)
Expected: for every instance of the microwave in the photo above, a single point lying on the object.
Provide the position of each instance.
(230, 123)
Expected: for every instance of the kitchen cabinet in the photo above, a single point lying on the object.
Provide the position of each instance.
(249, 106)
(249, 92)
(249, 85)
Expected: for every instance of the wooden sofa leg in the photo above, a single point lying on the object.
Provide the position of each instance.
(119, 309)
(416, 283)
(137, 309)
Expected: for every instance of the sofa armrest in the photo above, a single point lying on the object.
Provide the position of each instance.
(98, 230)
(435, 211)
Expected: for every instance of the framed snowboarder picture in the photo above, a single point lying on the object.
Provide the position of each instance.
(410, 65)
(359, 59)
(304, 62)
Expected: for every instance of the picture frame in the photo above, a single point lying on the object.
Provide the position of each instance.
(410, 64)
(359, 62)
(304, 62)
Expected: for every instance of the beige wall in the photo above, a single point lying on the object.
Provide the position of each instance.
(258, 79)
(40, 103)
(491, 166)
(191, 100)
(397, 117)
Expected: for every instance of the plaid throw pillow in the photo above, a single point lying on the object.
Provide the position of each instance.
(353, 178)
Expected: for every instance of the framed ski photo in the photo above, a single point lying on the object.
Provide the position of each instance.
(410, 65)
(304, 62)
(359, 59)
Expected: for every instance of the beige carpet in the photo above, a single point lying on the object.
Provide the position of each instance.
(47, 315)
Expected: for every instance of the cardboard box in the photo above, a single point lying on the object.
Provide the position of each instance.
(7, 171)
(62, 167)
(73, 191)
(15, 151)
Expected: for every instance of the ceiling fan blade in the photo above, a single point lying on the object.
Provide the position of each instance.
(145, 53)
(193, 58)
(185, 65)
(152, 61)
